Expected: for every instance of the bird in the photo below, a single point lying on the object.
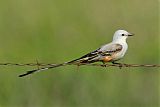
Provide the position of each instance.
(111, 52)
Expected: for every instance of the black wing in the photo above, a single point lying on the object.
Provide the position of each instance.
(87, 57)
(106, 50)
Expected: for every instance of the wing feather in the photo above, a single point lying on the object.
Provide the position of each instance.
(110, 49)
(106, 50)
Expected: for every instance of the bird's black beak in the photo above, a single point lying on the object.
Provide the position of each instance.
(130, 34)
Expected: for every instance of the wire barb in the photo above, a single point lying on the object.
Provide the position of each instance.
(125, 65)
(43, 66)
(87, 64)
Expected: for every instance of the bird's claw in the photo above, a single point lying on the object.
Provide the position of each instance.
(104, 65)
(120, 66)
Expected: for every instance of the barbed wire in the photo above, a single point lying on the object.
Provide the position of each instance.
(26, 64)
(124, 65)
(80, 64)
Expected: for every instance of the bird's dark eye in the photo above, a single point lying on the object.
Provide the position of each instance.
(122, 34)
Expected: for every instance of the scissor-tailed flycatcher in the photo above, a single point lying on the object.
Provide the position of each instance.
(110, 52)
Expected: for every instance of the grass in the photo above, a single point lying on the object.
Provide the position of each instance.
(54, 31)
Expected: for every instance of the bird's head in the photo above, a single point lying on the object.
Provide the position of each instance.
(121, 35)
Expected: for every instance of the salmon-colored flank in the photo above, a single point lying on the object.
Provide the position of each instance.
(107, 59)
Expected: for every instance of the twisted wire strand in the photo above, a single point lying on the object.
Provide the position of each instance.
(125, 65)
(101, 65)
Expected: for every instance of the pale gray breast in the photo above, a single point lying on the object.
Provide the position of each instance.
(121, 54)
(116, 50)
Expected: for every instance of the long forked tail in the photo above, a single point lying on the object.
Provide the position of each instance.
(76, 61)
(42, 69)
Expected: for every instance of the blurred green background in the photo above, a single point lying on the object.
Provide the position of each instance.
(54, 31)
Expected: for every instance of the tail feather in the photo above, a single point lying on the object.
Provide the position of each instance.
(41, 69)
(79, 60)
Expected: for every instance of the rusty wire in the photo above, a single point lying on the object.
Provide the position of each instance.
(95, 64)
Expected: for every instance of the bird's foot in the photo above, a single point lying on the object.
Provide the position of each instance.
(119, 65)
(104, 65)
